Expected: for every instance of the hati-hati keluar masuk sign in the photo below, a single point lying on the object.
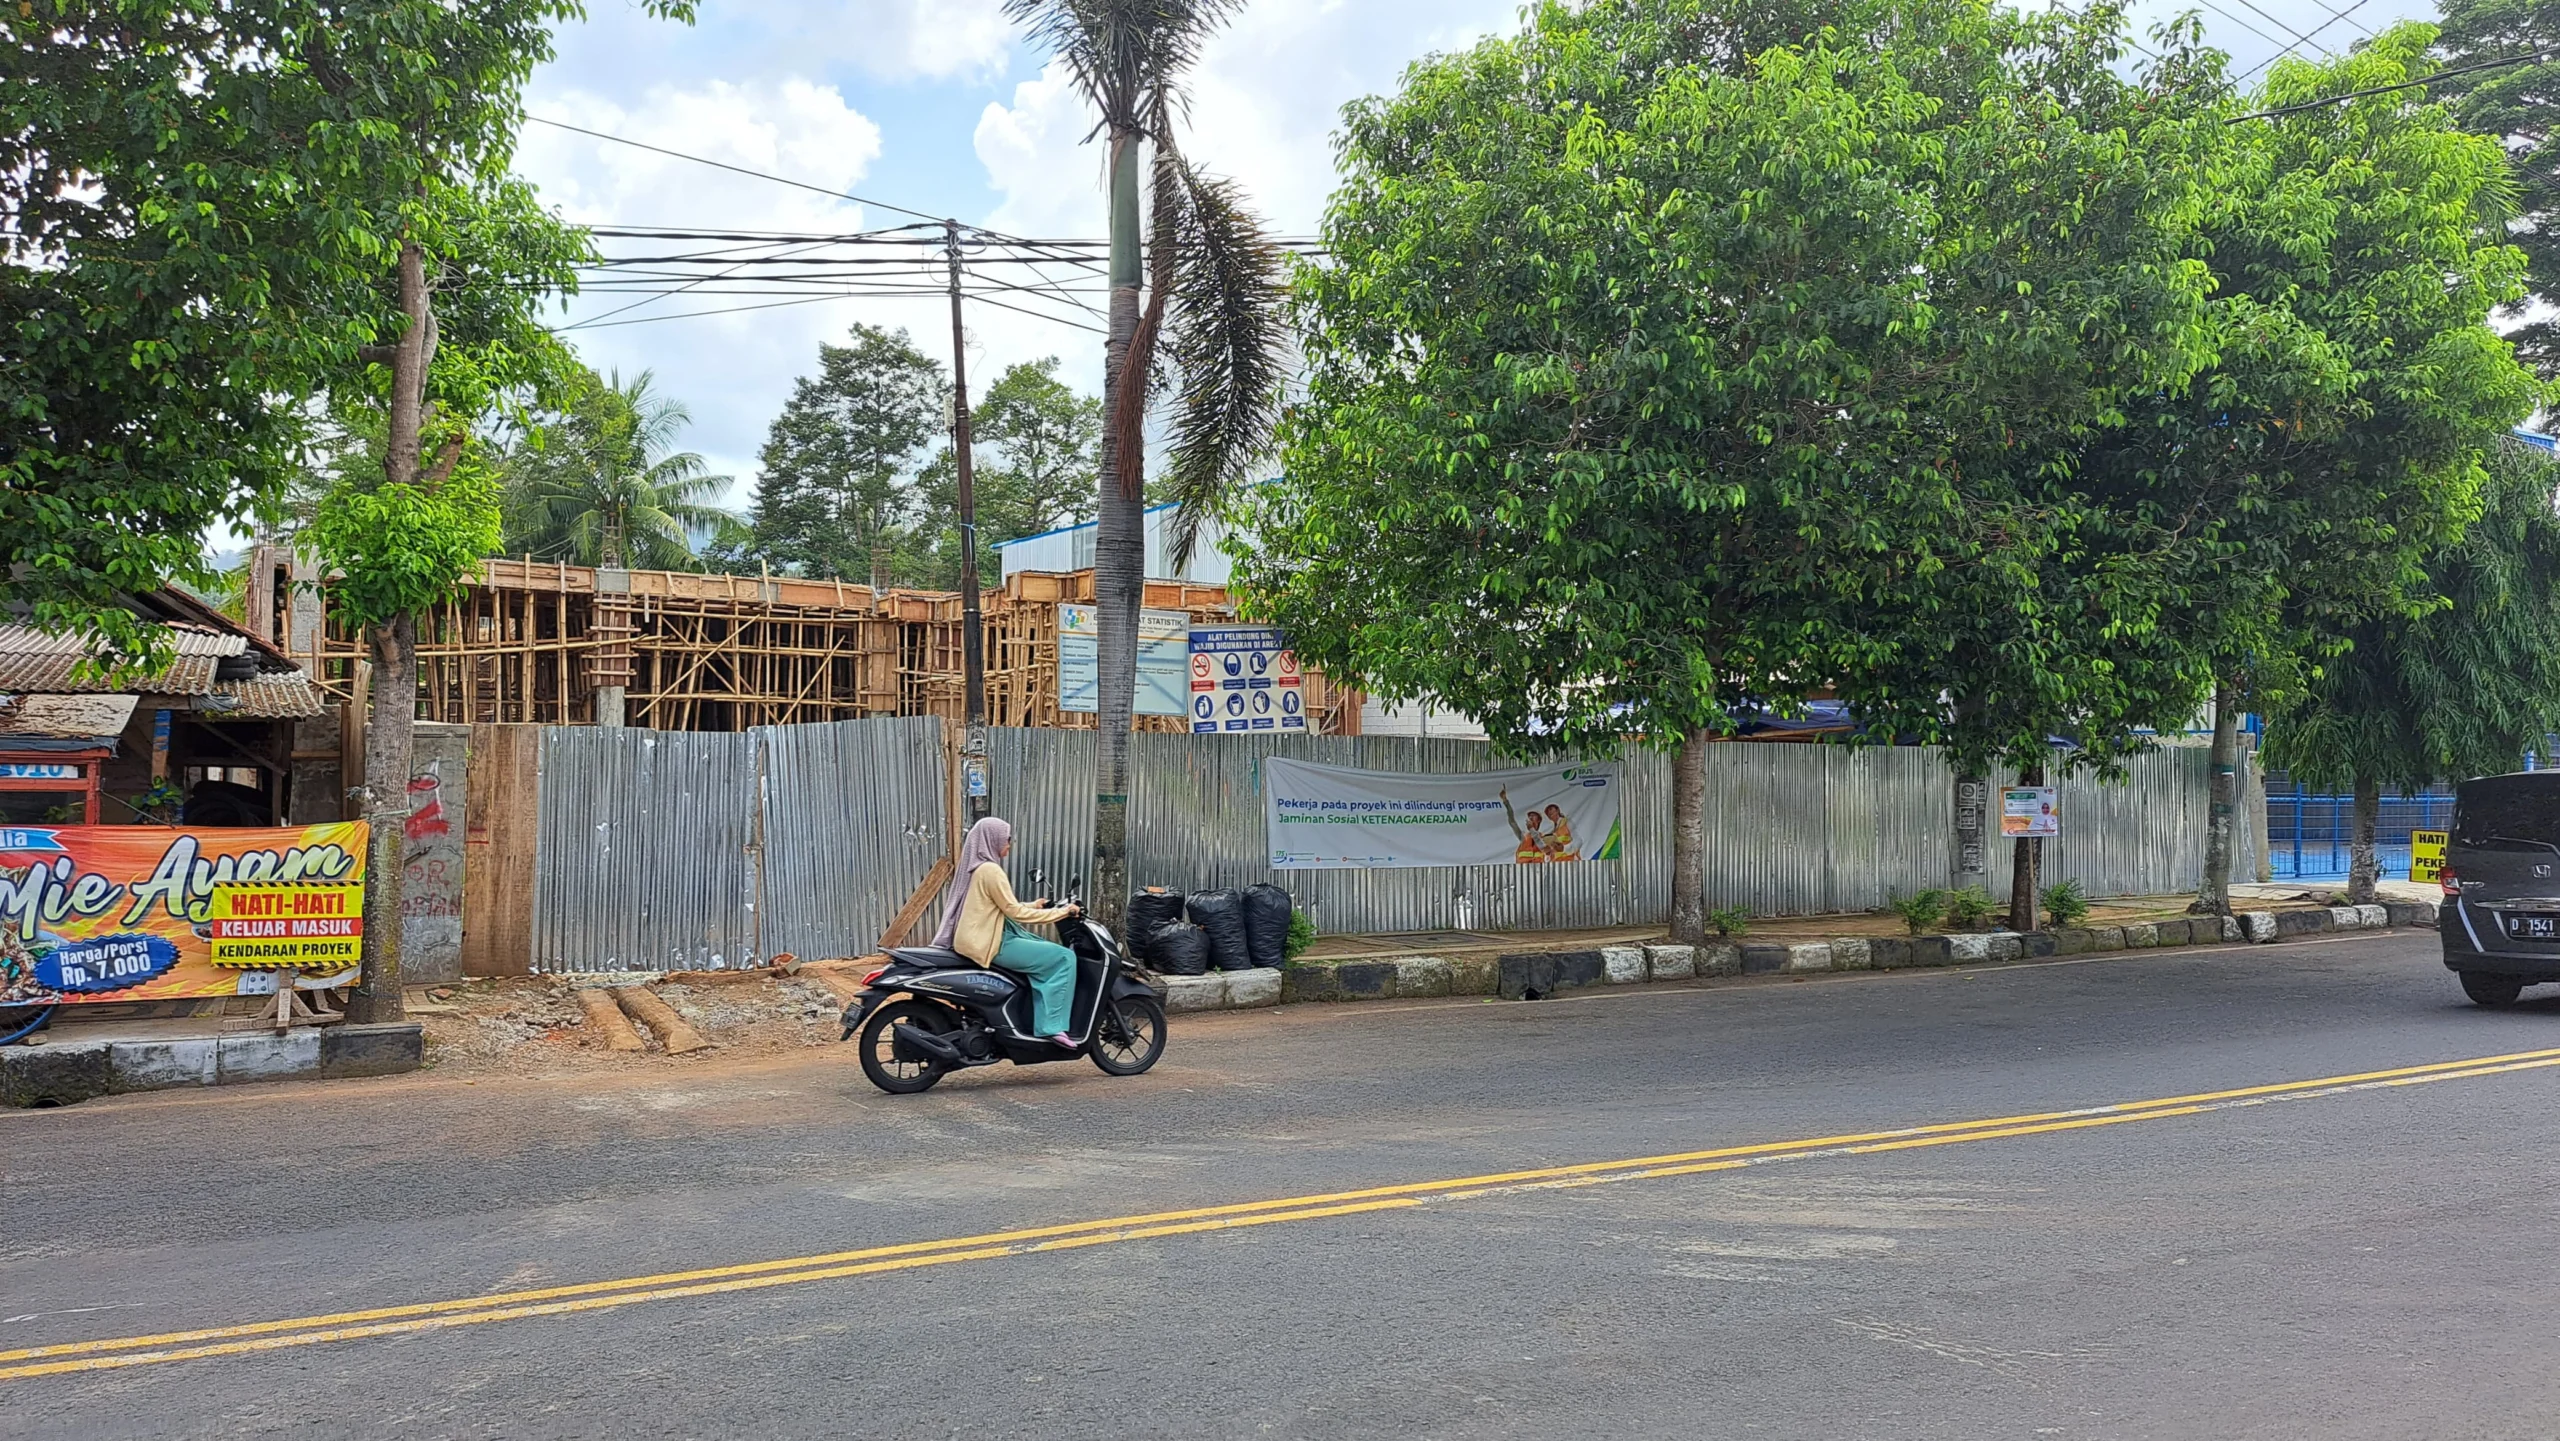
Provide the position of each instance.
(1336, 818)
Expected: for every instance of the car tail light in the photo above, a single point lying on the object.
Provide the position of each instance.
(2451, 886)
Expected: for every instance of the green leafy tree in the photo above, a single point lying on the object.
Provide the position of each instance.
(2464, 688)
(1644, 382)
(2518, 106)
(2076, 296)
(1035, 469)
(837, 496)
(1212, 310)
(600, 482)
(2357, 254)
(1041, 439)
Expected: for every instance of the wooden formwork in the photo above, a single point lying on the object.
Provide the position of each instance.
(529, 642)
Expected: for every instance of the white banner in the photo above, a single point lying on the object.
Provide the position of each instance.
(1164, 660)
(1336, 818)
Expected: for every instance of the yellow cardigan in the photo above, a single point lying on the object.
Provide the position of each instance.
(984, 908)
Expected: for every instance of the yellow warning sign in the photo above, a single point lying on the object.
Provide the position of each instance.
(257, 927)
(2426, 855)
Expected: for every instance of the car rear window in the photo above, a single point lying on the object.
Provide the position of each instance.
(2508, 812)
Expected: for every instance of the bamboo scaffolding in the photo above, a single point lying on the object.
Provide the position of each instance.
(529, 641)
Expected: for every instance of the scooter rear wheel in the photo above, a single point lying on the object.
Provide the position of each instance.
(881, 1062)
(1129, 1036)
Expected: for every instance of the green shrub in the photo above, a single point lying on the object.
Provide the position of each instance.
(1967, 909)
(1730, 921)
(1919, 908)
(2065, 902)
(1302, 934)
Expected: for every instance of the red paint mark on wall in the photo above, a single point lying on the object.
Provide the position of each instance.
(426, 808)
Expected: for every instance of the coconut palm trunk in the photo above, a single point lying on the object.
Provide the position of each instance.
(1212, 286)
(1119, 551)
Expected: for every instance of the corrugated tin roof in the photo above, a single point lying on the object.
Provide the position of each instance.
(31, 660)
(289, 696)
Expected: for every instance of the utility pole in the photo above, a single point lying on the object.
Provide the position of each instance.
(973, 634)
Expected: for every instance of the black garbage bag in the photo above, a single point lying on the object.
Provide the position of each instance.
(1149, 909)
(1179, 948)
(1221, 914)
(1267, 909)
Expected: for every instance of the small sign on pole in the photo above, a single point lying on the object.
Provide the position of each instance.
(2426, 855)
(2029, 811)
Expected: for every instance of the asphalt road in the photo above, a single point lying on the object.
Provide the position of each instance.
(2363, 1258)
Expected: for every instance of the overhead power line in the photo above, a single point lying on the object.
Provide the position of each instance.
(736, 169)
(2335, 17)
(2327, 100)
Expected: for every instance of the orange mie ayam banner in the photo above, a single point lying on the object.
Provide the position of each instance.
(140, 913)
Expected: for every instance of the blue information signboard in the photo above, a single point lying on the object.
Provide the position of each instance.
(1244, 680)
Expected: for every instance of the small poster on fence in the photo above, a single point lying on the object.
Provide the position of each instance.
(2029, 811)
(1337, 818)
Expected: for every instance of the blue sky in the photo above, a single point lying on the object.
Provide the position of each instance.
(935, 105)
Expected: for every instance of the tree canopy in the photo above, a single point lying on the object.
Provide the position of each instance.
(205, 204)
(837, 490)
(599, 482)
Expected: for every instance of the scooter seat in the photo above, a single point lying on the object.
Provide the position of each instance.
(933, 956)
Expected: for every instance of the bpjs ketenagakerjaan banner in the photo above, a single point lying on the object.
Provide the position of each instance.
(135, 913)
(1337, 818)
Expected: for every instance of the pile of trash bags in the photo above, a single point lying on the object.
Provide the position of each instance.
(1231, 930)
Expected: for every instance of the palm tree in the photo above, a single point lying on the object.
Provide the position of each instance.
(600, 486)
(1213, 289)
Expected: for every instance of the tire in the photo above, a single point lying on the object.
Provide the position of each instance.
(1129, 1037)
(880, 1062)
(2487, 988)
(19, 1022)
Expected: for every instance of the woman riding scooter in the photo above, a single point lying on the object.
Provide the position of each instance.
(982, 919)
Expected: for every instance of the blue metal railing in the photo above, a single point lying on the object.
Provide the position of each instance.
(2307, 834)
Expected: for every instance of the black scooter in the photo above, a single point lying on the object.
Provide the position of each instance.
(930, 1012)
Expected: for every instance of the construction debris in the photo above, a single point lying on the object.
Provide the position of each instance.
(608, 1020)
(675, 1035)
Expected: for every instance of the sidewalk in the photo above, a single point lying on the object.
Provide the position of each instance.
(73, 1060)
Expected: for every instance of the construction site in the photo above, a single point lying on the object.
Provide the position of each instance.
(538, 643)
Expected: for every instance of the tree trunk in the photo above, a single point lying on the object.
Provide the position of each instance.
(2026, 864)
(2213, 890)
(409, 362)
(1689, 839)
(2363, 867)
(391, 727)
(879, 563)
(1119, 558)
(389, 739)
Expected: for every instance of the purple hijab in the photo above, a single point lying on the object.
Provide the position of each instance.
(983, 846)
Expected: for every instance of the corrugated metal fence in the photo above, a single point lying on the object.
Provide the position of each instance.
(677, 850)
(663, 850)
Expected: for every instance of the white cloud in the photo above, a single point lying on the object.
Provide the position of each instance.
(1035, 156)
(734, 369)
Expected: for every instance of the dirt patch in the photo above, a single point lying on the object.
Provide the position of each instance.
(521, 1025)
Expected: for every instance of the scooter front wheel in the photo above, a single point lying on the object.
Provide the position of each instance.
(1129, 1036)
(881, 1062)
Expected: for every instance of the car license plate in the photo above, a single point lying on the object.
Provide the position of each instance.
(2534, 928)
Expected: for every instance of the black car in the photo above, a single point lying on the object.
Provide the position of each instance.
(2501, 915)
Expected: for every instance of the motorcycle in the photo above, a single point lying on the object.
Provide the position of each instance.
(930, 1012)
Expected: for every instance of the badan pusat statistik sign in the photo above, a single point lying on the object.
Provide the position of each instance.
(132, 913)
(1337, 818)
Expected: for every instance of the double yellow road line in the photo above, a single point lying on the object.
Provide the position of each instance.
(248, 1338)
